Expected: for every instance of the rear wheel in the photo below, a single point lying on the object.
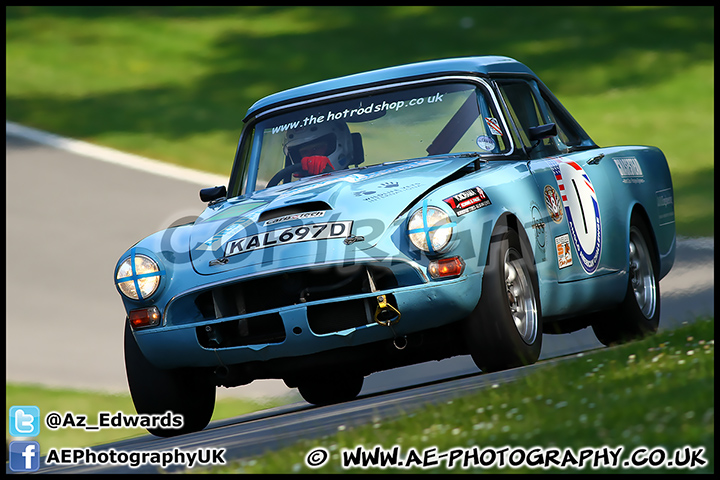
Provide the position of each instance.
(505, 329)
(639, 313)
(188, 392)
(331, 389)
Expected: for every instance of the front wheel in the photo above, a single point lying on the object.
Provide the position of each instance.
(154, 391)
(639, 313)
(505, 329)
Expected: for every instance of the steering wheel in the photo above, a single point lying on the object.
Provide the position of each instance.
(285, 174)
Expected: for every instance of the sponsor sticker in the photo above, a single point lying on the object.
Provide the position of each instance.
(564, 253)
(665, 206)
(629, 169)
(385, 190)
(485, 143)
(468, 201)
(295, 216)
(552, 202)
(493, 125)
(285, 236)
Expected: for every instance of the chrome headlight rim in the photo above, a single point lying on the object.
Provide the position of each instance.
(141, 276)
(430, 229)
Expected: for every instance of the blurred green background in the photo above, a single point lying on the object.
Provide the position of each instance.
(173, 83)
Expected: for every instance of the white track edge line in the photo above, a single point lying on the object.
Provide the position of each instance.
(116, 157)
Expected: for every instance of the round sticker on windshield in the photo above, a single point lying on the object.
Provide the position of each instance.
(485, 143)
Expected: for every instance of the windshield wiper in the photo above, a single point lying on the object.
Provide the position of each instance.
(477, 156)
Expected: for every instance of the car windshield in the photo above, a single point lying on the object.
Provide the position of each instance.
(371, 129)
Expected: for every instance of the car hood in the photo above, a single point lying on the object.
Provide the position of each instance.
(357, 202)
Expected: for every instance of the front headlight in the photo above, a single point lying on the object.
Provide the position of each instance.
(138, 280)
(430, 229)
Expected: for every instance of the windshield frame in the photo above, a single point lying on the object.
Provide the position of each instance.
(244, 174)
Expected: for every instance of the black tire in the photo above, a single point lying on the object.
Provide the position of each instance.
(505, 329)
(334, 389)
(639, 313)
(188, 392)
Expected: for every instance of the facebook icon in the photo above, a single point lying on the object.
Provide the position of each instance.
(24, 456)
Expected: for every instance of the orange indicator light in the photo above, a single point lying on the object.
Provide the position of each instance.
(145, 317)
(446, 267)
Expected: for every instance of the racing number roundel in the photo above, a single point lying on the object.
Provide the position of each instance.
(582, 210)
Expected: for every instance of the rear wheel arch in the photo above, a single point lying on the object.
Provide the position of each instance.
(639, 215)
(638, 314)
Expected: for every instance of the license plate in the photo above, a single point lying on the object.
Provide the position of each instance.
(284, 236)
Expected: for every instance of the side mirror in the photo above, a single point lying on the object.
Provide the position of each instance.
(213, 193)
(542, 132)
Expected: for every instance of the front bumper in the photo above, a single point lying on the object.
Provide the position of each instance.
(304, 328)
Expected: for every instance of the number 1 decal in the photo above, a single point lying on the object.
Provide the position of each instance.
(582, 210)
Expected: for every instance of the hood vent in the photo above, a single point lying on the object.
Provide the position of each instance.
(293, 210)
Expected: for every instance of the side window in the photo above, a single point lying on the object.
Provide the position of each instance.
(569, 130)
(521, 105)
(238, 177)
(527, 111)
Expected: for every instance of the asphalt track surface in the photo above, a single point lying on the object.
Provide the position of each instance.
(70, 216)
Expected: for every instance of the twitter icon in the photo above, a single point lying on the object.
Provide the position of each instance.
(24, 421)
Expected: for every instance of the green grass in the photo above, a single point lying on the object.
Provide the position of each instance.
(173, 83)
(654, 393)
(90, 403)
(658, 115)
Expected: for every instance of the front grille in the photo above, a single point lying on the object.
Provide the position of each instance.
(248, 331)
(260, 295)
(339, 316)
(286, 289)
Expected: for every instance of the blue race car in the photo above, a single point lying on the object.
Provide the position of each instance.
(389, 218)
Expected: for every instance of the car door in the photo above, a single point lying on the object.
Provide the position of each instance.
(572, 215)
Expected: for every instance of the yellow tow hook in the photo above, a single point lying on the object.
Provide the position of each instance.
(384, 307)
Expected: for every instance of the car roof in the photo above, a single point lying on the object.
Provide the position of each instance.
(483, 65)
